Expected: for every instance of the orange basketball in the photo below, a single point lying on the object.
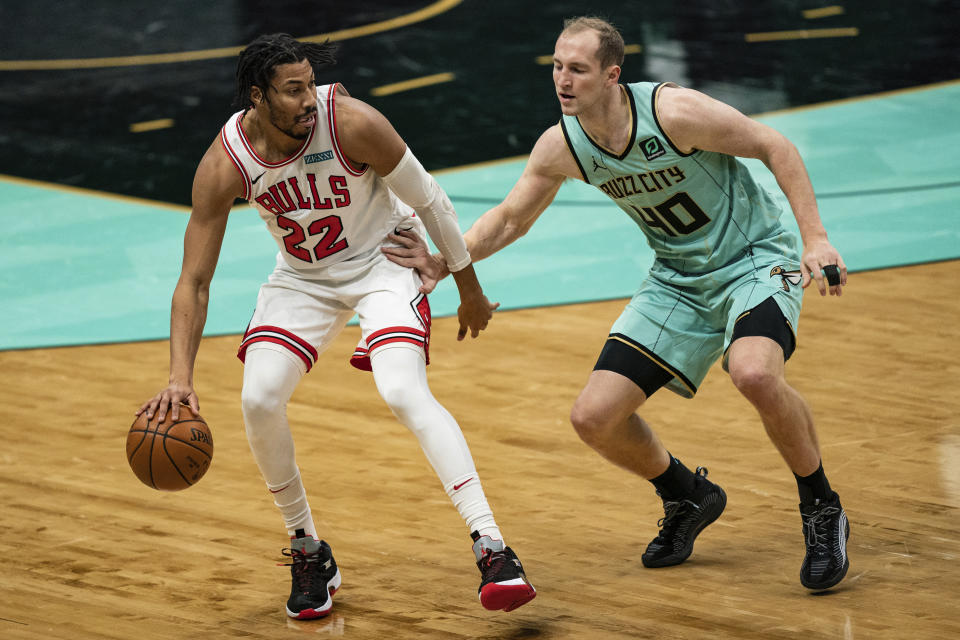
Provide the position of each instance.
(169, 455)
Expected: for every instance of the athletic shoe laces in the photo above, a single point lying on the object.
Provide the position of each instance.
(817, 525)
(303, 572)
(673, 510)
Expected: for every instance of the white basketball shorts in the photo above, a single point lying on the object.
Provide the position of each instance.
(302, 316)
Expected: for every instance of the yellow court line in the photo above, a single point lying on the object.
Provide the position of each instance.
(627, 49)
(475, 165)
(415, 83)
(225, 52)
(807, 107)
(151, 125)
(823, 12)
(872, 96)
(481, 165)
(27, 182)
(83, 191)
(802, 34)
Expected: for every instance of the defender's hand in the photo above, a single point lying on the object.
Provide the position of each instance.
(821, 259)
(413, 252)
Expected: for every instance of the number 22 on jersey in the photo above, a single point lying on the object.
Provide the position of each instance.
(286, 197)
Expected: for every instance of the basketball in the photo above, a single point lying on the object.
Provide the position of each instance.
(169, 455)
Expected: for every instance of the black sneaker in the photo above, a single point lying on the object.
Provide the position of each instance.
(504, 585)
(682, 521)
(315, 578)
(825, 529)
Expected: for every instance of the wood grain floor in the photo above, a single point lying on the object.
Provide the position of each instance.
(86, 551)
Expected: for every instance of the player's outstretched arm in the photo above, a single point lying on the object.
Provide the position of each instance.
(693, 120)
(215, 187)
(549, 164)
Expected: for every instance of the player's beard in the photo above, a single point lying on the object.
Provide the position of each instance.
(290, 130)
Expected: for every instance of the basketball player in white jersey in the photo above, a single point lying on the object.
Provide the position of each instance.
(331, 178)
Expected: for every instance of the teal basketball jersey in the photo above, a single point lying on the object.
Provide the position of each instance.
(699, 211)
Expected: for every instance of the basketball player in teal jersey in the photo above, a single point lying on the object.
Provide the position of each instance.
(727, 281)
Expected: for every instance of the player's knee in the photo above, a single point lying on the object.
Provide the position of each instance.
(756, 382)
(406, 402)
(397, 398)
(401, 381)
(269, 378)
(591, 423)
(259, 404)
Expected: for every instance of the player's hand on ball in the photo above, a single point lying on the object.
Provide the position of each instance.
(171, 454)
(169, 400)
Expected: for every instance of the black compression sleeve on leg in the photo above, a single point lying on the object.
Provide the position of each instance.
(632, 364)
(768, 321)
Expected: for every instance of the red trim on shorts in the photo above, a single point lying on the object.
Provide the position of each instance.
(385, 334)
(264, 333)
(389, 335)
(421, 306)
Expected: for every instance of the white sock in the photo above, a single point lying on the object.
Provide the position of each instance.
(291, 498)
(468, 497)
(401, 377)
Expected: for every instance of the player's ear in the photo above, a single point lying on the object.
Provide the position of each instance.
(613, 74)
(256, 95)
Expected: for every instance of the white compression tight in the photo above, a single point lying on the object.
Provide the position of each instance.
(269, 380)
(401, 376)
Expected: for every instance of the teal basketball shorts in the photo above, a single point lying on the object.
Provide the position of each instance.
(684, 322)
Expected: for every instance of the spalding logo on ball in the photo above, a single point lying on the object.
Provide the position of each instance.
(169, 455)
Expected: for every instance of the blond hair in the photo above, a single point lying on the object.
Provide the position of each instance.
(610, 51)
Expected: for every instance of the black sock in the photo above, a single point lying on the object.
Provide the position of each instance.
(814, 487)
(676, 482)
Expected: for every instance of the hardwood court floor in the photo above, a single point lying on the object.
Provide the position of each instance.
(89, 552)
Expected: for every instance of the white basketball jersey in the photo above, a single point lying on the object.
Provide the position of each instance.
(321, 211)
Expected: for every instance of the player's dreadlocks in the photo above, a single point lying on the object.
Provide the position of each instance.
(256, 63)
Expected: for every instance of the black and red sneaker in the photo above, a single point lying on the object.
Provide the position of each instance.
(315, 577)
(504, 585)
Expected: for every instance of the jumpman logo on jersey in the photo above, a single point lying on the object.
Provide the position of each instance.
(597, 165)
